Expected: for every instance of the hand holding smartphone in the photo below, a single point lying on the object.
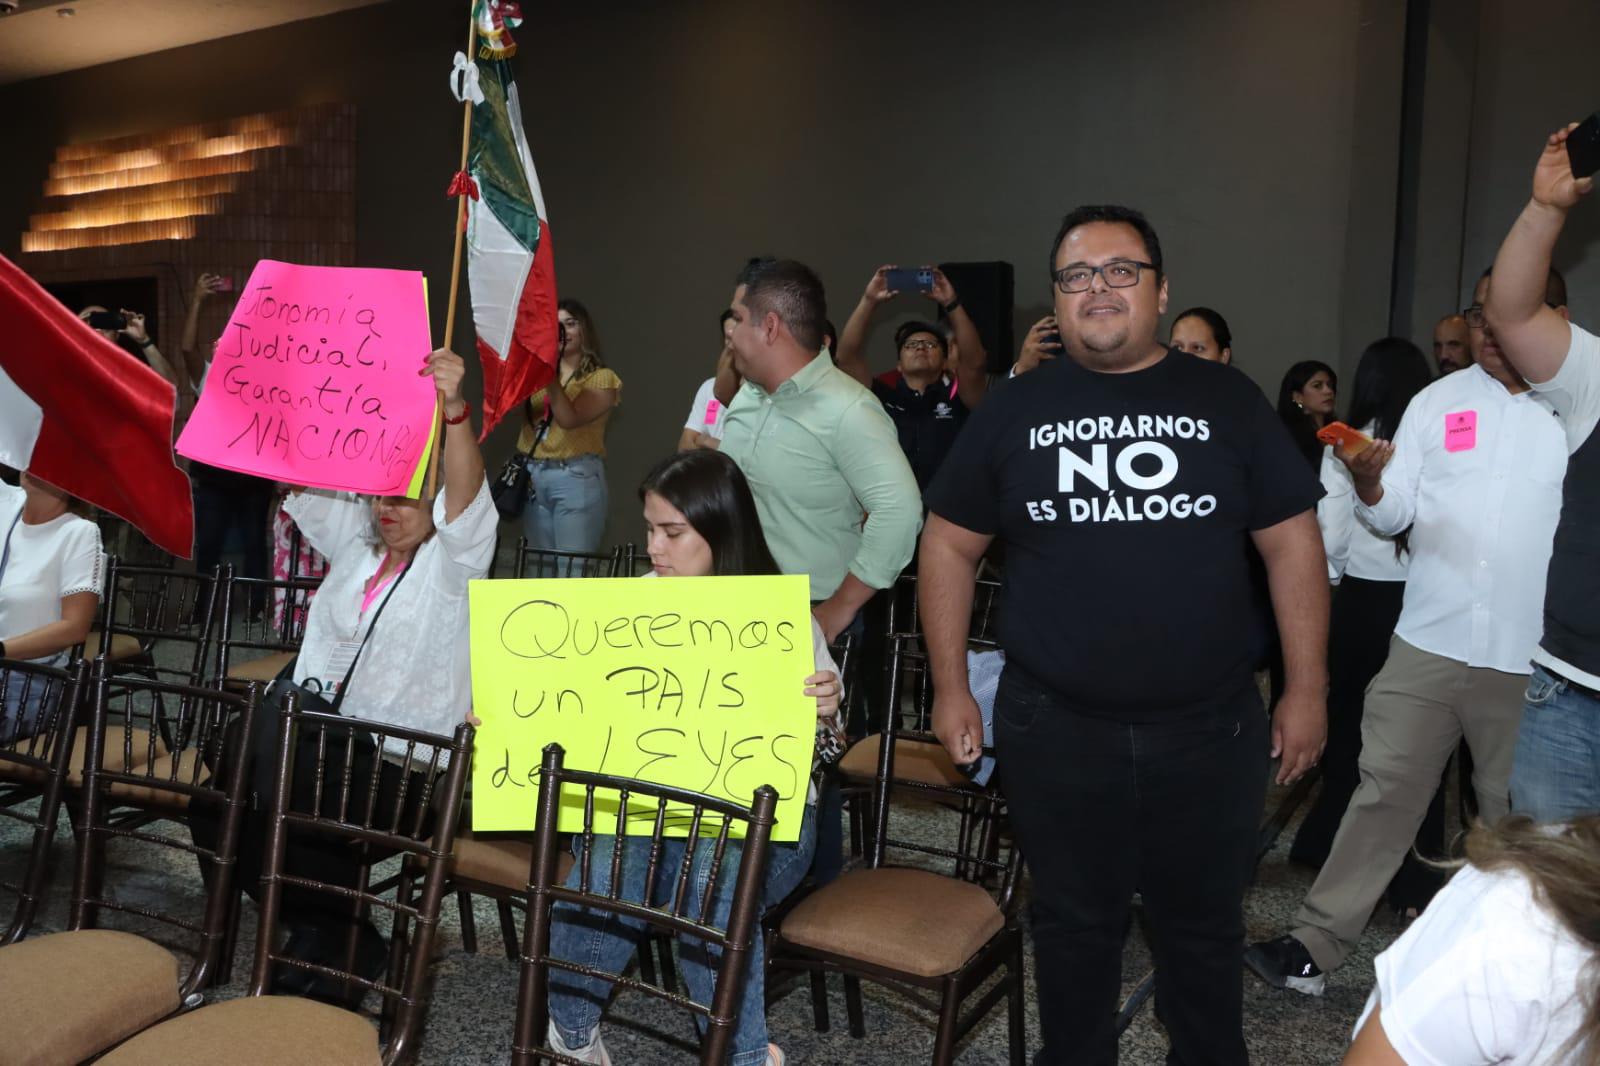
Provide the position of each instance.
(901, 280)
(1583, 147)
(1351, 442)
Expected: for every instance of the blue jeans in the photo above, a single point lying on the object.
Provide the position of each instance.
(568, 509)
(1555, 776)
(607, 941)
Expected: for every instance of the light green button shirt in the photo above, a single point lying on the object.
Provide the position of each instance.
(819, 452)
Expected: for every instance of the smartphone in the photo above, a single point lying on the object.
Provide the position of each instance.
(1350, 441)
(112, 320)
(224, 284)
(1583, 147)
(909, 280)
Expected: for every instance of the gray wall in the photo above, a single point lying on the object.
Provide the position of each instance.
(674, 141)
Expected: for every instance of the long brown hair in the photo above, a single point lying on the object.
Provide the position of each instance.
(592, 359)
(1563, 865)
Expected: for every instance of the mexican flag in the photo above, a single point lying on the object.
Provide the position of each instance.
(81, 413)
(510, 265)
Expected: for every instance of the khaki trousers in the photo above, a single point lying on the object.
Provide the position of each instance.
(1417, 710)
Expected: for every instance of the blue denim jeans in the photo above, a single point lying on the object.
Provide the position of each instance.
(607, 941)
(1555, 776)
(568, 509)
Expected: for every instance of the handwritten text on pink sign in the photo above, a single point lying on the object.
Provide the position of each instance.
(314, 381)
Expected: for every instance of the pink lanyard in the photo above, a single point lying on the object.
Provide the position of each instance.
(374, 587)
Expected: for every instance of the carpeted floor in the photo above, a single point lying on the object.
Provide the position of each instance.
(473, 1000)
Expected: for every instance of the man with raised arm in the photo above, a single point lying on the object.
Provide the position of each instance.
(1556, 772)
(1127, 483)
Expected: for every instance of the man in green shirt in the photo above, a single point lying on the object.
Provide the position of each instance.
(817, 448)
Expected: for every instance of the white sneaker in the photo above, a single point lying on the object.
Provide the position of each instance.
(594, 1051)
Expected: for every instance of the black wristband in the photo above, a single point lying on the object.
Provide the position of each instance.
(147, 343)
(952, 305)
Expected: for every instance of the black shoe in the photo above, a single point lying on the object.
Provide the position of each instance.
(372, 959)
(1285, 963)
(306, 944)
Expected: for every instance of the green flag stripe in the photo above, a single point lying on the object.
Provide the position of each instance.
(494, 161)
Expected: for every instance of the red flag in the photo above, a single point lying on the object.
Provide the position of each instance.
(104, 418)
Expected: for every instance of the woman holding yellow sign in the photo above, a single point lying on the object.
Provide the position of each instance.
(702, 521)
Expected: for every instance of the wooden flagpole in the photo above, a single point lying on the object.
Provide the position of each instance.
(455, 260)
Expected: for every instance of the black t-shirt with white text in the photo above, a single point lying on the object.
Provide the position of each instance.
(1125, 503)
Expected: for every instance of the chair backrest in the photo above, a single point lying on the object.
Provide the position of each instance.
(399, 794)
(155, 604)
(972, 849)
(171, 752)
(553, 562)
(37, 730)
(905, 615)
(260, 615)
(635, 561)
(680, 914)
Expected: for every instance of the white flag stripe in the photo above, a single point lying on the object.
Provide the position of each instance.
(20, 422)
(498, 269)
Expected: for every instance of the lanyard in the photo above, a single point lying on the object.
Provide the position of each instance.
(5, 553)
(375, 587)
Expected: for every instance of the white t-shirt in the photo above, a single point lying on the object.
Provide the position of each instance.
(48, 561)
(415, 670)
(1486, 975)
(707, 413)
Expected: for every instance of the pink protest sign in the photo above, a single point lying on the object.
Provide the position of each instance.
(314, 381)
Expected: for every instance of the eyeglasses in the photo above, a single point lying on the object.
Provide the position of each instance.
(1474, 316)
(1118, 274)
(920, 346)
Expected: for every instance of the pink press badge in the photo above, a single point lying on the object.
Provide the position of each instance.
(1460, 431)
(712, 407)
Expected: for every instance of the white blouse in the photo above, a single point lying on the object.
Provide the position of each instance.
(1486, 975)
(1353, 546)
(415, 671)
(48, 561)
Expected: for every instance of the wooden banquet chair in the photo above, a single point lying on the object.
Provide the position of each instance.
(74, 994)
(681, 914)
(266, 1029)
(940, 919)
(35, 754)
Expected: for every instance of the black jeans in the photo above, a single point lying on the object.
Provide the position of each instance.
(225, 503)
(1102, 808)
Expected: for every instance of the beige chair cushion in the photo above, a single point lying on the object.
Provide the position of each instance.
(80, 749)
(914, 921)
(503, 861)
(68, 996)
(263, 669)
(148, 796)
(123, 647)
(914, 760)
(254, 1031)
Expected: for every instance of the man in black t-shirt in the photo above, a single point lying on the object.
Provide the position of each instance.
(1127, 482)
(931, 391)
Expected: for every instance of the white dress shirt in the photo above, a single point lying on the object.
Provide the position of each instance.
(1483, 512)
(1353, 547)
(1575, 393)
(414, 672)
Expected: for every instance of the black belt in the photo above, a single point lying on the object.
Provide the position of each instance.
(1576, 686)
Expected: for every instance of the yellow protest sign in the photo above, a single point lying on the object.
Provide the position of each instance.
(696, 682)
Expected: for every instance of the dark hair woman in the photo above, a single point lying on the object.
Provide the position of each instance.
(701, 521)
(1305, 403)
(1504, 967)
(1202, 332)
(1371, 573)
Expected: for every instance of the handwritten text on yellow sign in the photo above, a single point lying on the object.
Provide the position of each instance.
(694, 682)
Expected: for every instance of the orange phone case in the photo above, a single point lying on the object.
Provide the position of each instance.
(1341, 436)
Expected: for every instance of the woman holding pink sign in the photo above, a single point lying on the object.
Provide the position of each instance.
(565, 442)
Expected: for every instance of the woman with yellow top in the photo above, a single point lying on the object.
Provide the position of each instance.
(565, 441)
